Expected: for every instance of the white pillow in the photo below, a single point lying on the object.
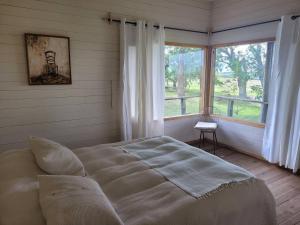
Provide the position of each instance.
(55, 158)
(19, 197)
(75, 200)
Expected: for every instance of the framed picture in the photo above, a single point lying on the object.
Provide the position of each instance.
(48, 59)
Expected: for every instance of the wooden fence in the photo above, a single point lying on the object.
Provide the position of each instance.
(230, 104)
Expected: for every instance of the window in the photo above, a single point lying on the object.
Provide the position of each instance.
(240, 87)
(184, 73)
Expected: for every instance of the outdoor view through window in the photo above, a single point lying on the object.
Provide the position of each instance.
(240, 82)
(184, 69)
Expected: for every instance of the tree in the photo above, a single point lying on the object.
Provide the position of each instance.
(183, 66)
(228, 57)
(258, 60)
(244, 64)
(170, 75)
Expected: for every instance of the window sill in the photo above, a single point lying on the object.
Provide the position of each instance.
(234, 120)
(182, 116)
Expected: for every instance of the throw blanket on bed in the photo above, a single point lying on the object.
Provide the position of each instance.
(194, 171)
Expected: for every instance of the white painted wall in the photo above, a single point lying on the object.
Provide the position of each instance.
(182, 128)
(79, 114)
(245, 34)
(245, 138)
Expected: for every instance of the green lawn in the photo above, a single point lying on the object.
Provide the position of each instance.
(192, 90)
(241, 110)
(172, 107)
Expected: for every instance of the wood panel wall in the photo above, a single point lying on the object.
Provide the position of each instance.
(227, 13)
(231, 13)
(84, 113)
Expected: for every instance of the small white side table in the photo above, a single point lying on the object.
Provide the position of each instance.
(207, 127)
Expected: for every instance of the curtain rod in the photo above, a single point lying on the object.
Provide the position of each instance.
(245, 26)
(109, 19)
(253, 24)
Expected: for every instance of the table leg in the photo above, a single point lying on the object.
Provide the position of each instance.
(200, 139)
(215, 141)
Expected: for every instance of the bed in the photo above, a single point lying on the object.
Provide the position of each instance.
(156, 181)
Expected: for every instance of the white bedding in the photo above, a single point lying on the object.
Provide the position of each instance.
(139, 194)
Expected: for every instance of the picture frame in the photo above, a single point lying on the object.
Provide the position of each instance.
(48, 59)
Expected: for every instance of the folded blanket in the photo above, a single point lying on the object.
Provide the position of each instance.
(194, 171)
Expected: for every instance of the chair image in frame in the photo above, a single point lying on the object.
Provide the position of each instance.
(51, 67)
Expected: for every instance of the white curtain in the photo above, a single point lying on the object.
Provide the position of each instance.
(142, 80)
(282, 134)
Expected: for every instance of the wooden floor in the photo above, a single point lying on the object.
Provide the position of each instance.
(284, 185)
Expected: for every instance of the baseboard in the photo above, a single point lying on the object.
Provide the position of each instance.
(220, 144)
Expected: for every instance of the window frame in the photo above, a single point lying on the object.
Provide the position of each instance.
(212, 79)
(202, 84)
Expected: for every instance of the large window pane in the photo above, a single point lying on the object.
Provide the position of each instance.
(241, 72)
(184, 69)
